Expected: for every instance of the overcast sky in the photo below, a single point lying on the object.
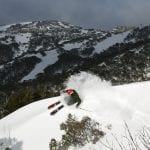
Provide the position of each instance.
(87, 13)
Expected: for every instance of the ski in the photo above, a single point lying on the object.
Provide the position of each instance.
(56, 110)
(53, 105)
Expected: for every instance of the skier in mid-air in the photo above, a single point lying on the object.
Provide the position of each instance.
(73, 98)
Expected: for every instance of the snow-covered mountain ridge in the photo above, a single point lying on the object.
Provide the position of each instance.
(33, 127)
(33, 42)
(22, 41)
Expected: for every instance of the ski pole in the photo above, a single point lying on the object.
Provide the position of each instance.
(85, 109)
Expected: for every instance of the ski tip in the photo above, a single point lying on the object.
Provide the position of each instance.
(56, 110)
(53, 105)
(53, 113)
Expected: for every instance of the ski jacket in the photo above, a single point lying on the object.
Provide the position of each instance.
(74, 98)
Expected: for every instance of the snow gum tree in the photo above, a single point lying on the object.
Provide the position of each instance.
(78, 133)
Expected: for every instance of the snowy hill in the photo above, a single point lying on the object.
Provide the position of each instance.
(33, 127)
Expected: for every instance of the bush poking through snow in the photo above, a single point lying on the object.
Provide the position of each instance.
(145, 137)
(141, 141)
(10, 144)
(77, 133)
(53, 144)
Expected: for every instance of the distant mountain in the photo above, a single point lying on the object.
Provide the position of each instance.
(31, 47)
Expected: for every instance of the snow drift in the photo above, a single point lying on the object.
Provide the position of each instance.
(33, 126)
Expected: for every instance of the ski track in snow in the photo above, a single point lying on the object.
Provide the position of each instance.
(108, 104)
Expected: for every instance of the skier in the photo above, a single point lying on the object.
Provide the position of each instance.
(73, 97)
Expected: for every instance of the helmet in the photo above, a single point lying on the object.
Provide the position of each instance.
(69, 91)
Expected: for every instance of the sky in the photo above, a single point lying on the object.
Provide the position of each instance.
(86, 13)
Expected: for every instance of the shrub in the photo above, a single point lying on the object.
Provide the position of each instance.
(78, 133)
(7, 148)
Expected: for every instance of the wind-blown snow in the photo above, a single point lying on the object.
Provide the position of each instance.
(110, 41)
(50, 58)
(108, 104)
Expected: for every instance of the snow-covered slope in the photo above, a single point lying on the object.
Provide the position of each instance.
(110, 41)
(33, 126)
(50, 58)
